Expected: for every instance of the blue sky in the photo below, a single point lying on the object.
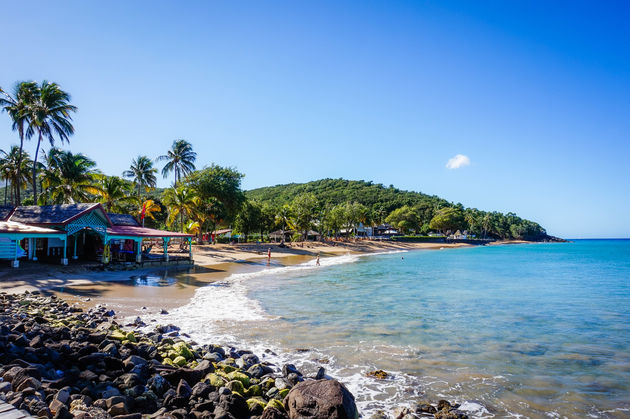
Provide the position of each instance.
(535, 94)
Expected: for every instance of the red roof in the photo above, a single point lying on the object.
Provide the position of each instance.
(142, 232)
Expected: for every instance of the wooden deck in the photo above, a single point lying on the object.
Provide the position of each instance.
(7, 411)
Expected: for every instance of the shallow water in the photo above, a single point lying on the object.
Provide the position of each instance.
(540, 330)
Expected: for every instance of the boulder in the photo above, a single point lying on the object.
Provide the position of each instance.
(273, 413)
(321, 399)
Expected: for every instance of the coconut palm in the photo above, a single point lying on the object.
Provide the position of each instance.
(17, 107)
(181, 160)
(149, 206)
(143, 173)
(68, 178)
(14, 167)
(114, 192)
(49, 116)
(181, 202)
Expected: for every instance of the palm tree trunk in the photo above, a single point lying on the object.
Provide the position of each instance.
(6, 186)
(19, 169)
(39, 142)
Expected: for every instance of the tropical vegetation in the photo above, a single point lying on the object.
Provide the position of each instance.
(203, 200)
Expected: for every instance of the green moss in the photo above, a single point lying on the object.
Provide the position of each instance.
(283, 393)
(236, 387)
(275, 403)
(254, 391)
(183, 350)
(256, 401)
(215, 380)
(237, 375)
(180, 361)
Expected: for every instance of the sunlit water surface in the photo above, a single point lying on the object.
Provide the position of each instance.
(539, 330)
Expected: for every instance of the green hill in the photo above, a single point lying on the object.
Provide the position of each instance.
(415, 209)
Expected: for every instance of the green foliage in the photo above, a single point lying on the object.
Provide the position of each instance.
(451, 218)
(304, 209)
(405, 219)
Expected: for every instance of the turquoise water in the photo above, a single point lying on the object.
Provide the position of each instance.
(537, 330)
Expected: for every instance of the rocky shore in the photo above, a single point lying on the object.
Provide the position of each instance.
(57, 361)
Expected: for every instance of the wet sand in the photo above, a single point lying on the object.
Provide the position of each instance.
(148, 291)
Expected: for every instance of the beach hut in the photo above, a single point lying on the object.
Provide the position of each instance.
(82, 230)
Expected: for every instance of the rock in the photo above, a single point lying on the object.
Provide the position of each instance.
(379, 374)
(118, 409)
(234, 405)
(402, 412)
(321, 399)
(378, 415)
(127, 380)
(133, 361)
(294, 378)
(451, 414)
(424, 407)
(321, 373)
(274, 413)
(202, 390)
(183, 389)
(29, 382)
(55, 406)
(5, 387)
(129, 416)
(288, 369)
(158, 384)
(63, 395)
(443, 404)
(259, 370)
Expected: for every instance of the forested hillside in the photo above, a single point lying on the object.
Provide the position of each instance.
(411, 212)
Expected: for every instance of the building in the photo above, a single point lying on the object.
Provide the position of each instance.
(55, 233)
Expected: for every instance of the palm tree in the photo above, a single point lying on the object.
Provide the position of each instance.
(17, 107)
(14, 167)
(114, 192)
(49, 116)
(142, 172)
(180, 201)
(181, 160)
(149, 207)
(69, 178)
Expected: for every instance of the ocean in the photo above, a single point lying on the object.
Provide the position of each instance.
(531, 330)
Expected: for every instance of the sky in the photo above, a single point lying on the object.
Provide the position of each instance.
(519, 106)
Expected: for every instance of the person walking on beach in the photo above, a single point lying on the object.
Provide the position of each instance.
(317, 262)
(268, 255)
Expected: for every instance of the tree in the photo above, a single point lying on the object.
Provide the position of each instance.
(180, 160)
(49, 116)
(17, 107)
(405, 219)
(284, 217)
(181, 202)
(450, 218)
(14, 167)
(249, 218)
(304, 208)
(114, 192)
(68, 178)
(143, 173)
(219, 189)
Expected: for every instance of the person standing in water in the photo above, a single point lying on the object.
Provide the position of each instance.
(269, 255)
(317, 262)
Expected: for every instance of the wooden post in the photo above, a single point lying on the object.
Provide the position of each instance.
(64, 260)
(75, 257)
(16, 262)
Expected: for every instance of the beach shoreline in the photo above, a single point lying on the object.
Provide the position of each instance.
(219, 259)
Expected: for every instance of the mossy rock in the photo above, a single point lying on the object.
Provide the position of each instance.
(256, 401)
(167, 361)
(167, 341)
(183, 350)
(215, 380)
(118, 335)
(275, 403)
(227, 368)
(180, 361)
(193, 364)
(239, 376)
(172, 354)
(283, 393)
(254, 391)
(268, 383)
(236, 387)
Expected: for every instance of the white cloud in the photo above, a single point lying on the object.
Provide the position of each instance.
(458, 161)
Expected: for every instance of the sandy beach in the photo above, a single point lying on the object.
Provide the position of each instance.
(145, 291)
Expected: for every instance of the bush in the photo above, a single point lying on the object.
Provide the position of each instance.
(428, 239)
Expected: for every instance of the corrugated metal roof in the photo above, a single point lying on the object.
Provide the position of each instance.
(123, 219)
(51, 214)
(5, 211)
(142, 232)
